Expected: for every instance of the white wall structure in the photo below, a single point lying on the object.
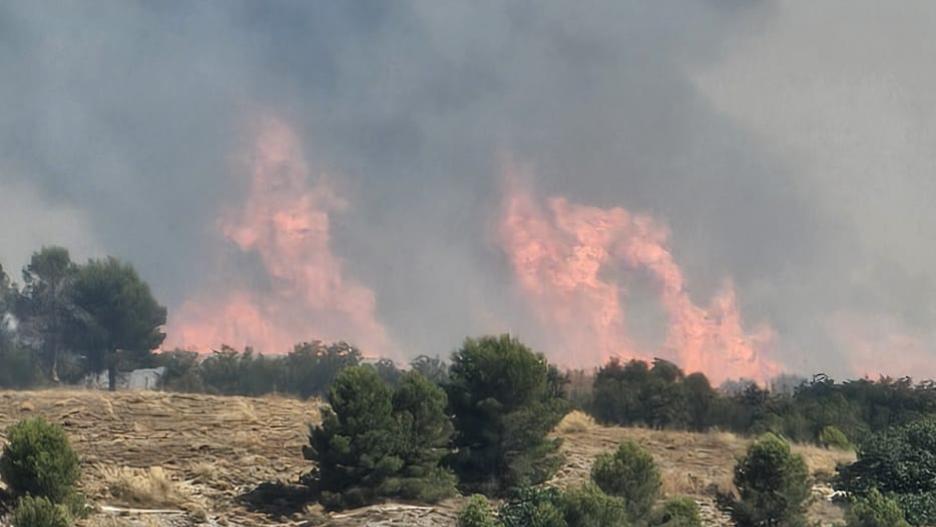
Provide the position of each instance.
(142, 379)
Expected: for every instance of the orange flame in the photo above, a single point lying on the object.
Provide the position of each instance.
(560, 257)
(285, 222)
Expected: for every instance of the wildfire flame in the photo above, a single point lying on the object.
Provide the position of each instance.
(285, 222)
(560, 254)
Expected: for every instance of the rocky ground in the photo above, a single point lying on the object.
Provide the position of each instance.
(176, 460)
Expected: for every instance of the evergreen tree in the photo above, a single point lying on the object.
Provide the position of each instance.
(505, 401)
(375, 443)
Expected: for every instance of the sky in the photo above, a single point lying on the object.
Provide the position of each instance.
(743, 187)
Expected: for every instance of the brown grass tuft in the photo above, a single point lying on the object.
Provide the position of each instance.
(144, 487)
(576, 422)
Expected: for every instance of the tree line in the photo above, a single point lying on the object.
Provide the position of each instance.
(306, 371)
(66, 320)
(820, 410)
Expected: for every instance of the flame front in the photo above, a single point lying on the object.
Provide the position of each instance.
(306, 293)
(560, 254)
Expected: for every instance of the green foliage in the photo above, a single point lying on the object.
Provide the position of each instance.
(919, 509)
(588, 506)
(832, 437)
(584, 506)
(311, 367)
(875, 510)
(631, 474)
(38, 460)
(307, 371)
(122, 322)
(505, 400)
(388, 371)
(425, 429)
(18, 366)
(477, 513)
(900, 462)
(46, 308)
(678, 512)
(432, 368)
(182, 370)
(228, 372)
(533, 507)
(39, 512)
(773, 486)
(375, 442)
(700, 401)
(659, 396)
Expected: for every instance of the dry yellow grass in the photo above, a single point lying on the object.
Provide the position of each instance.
(145, 488)
(213, 449)
(576, 422)
(698, 465)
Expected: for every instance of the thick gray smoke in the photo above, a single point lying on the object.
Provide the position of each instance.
(788, 146)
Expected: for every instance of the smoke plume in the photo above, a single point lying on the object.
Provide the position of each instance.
(738, 186)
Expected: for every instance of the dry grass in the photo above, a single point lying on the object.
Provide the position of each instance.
(576, 422)
(145, 488)
(211, 450)
(822, 462)
(692, 464)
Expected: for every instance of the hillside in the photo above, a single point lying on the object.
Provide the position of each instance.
(197, 459)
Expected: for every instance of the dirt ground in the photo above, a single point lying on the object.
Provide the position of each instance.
(159, 459)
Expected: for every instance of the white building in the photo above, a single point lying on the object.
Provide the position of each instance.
(144, 379)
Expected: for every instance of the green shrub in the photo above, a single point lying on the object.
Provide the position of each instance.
(505, 399)
(584, 506)
(772, 483)
(901, 463)
(39, 512)
(38, 460)
(425, 431)
(631, 474)
(375, 442)
(678, 512)
(832, 437)
(918, 508)
(477, 513)
(875, 510)
(588, 506)
(533, 507)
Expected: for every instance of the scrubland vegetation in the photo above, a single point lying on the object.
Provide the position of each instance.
(489, 423)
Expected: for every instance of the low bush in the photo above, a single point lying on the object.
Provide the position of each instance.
(477, 513)
(900, 462)
(772, 483)
(875, 510)
(629, 473)
(588, 506)
(533, 507)
(39, 512)
(584, 506)
(832, 437)
(678, 512)
(39, 461)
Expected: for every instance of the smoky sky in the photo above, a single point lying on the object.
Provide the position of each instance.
(789, 147)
